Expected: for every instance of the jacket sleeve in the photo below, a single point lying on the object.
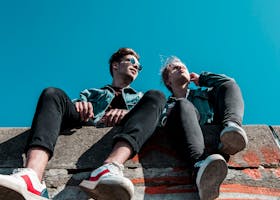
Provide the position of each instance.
(85, 95)
(208, 79)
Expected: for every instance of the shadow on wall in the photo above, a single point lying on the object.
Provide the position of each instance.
(12, 151)
(89, 160)
(162, 151)
(157, 153)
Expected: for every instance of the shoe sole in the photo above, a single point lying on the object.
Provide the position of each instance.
(11, 191)
(106, 190)
(233, 141)
(210, 176)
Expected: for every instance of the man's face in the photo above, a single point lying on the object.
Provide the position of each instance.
(129, 66)
(178, 74)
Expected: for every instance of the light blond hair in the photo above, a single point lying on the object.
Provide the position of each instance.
(171, 60)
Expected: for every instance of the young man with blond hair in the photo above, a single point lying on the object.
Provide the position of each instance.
(188, 111)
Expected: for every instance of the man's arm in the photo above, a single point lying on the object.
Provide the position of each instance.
(208, 79)
(83, 106)
(85, 109)
(114, 116)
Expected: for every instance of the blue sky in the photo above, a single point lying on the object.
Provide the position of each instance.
(67, 44)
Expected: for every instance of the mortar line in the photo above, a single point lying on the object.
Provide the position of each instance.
(275, 136)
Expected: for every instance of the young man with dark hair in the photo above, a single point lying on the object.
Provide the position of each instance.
(113, 105)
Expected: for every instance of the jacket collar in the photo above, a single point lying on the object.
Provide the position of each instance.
(172, 98)
(126, 89)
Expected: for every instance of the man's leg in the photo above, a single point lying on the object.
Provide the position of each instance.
(107, 182)
(209, 170)
(140, 123)
(228, 110)
(121, 153)
(183, 123)
(137, 126)
(228, 103)
(54, 111)
(37, 159)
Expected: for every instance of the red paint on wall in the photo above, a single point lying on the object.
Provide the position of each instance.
(168, 190)
(271, 155)
(233, 164)
(237, 188)
(225, 188)
(253, 173)
(251, 158)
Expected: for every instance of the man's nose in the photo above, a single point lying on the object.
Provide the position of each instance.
(135, 66)
(180, 67)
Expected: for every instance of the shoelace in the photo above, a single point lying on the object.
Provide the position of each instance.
(120, 166)
(19, 170)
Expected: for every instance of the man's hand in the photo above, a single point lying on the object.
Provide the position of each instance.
(85, 109)
(114, 116)
(195, 78)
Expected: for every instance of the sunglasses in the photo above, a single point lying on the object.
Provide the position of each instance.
(133, 62)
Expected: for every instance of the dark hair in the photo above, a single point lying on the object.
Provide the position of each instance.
(118, 55)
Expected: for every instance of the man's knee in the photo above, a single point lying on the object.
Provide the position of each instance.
(52, 91)
(229, 85)
(156, 95)
(185, 103)
(187, 107)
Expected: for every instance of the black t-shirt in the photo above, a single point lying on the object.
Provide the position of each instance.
(118, 101)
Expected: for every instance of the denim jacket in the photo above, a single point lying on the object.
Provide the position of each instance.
(199, 97)
(102, 98)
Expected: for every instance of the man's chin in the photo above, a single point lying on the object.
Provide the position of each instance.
(184, 81)
(133, 76)
(130, 79)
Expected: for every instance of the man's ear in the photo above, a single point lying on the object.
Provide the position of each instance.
(168, 83)
(115, 65)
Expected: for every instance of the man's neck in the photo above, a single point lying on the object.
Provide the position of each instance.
(180, 92)
(120, 83)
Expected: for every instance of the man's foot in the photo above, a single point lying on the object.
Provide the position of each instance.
(23, 184)
(233, 139)
(108, 183)
(210, 173)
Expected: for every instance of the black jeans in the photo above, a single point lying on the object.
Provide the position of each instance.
(55, 112)
(183, 121)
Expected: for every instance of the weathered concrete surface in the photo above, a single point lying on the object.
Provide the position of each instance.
(158, 171)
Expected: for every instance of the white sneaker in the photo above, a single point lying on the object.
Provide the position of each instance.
(233, 139)
(108, 183)
(23, 184)
(211, 173)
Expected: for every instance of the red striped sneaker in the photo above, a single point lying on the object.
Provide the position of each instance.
(23, 184)
(108, 183)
